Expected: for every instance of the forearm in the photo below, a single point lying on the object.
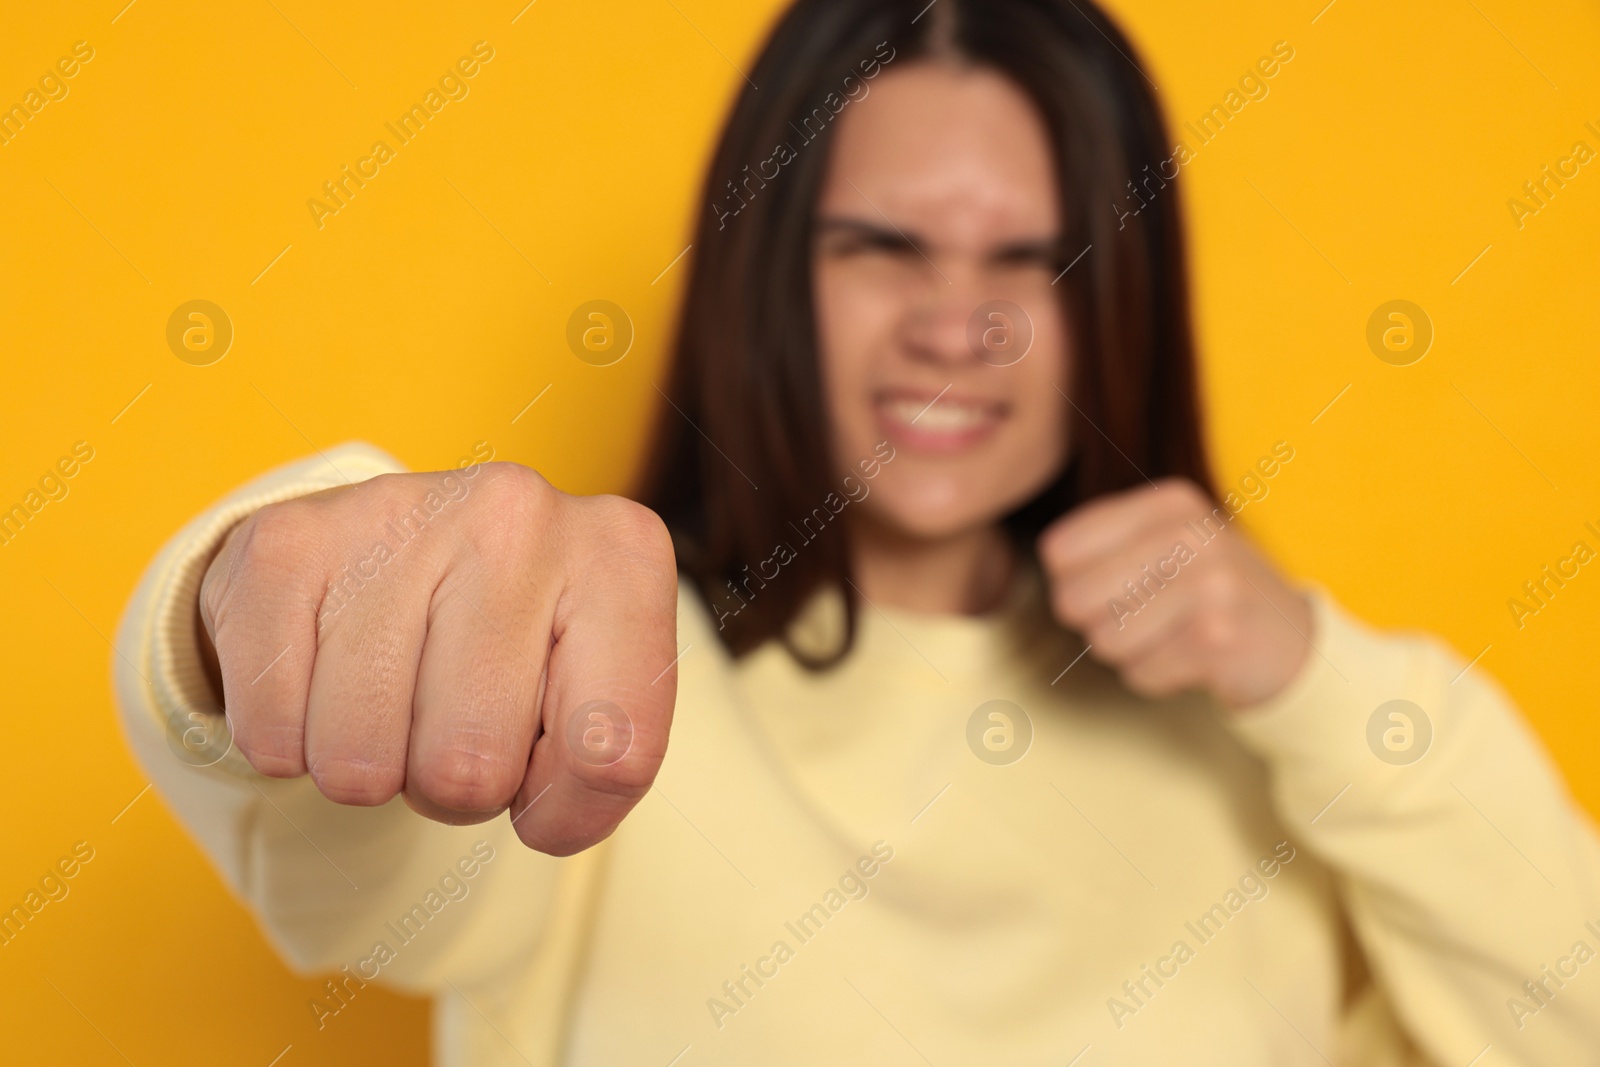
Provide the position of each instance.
(324, 879)
(1462, 863)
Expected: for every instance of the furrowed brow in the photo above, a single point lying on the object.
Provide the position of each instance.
(876, 232)
(1041, 248)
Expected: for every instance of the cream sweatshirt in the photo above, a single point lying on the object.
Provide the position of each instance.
(880, 864)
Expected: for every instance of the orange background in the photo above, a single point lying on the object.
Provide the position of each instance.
(431, 310)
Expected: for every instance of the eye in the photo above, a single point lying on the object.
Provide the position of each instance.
(1042, 259)
(866, 244)
(854, 240)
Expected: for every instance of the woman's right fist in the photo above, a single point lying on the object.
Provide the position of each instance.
(474, 640)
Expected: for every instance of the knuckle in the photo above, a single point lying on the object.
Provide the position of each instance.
(468, 777)
(1185, 499)
(516, 504)
(536, 837)
(514, 485)
(1109, 639)
(1087, 613)
(1069, 605)
(1107, 642)
(274, 533)
(1174, 483)
(273, 751)
(530, 833)
(1215, 631)
(635, 529)
(622, 538)
(1221, 589)
(558, 841)
(1179, 490)
(387, 494)
(628, 779)
(357, 781)
(264, 551)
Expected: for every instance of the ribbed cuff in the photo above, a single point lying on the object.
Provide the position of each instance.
(173, 667)
(1317, 726)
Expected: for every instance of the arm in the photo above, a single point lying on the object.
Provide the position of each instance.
(1464, 866)
(328, 881)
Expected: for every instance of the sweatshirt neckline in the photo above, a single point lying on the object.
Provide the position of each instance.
(951, 643)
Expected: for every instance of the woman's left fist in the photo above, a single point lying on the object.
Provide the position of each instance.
(1164, 589)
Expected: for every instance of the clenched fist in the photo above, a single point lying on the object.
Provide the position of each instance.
(1165, 589)
(472, 640)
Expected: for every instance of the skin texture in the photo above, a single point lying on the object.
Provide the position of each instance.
(940, 196)
(1226, 623)
(453, 676)
(453, 679)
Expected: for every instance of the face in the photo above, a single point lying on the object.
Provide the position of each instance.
(940, 198)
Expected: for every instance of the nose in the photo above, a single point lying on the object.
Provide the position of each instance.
(948, 322)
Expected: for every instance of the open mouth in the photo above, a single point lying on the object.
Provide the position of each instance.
(937, 422)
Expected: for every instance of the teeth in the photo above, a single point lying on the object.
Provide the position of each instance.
(942, 416)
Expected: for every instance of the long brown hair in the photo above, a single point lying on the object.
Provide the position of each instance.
(742, 449)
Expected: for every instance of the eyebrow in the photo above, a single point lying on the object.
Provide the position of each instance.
(1029, 248)
(862, 228)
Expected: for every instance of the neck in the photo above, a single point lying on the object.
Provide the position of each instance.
(965, 574)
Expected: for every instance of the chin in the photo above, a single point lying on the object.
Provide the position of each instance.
(934, 512)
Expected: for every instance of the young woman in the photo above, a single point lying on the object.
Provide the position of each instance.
(992, 737)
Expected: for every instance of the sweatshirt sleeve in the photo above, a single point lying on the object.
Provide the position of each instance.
(1470, 877)
(381, 893)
